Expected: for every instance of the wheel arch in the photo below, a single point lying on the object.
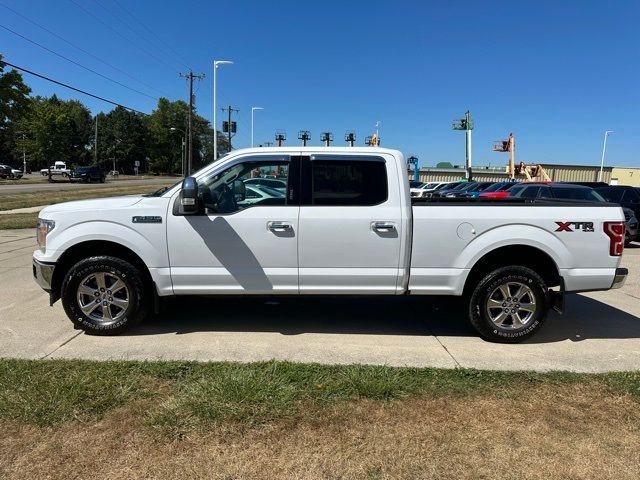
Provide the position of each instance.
(518, 255)
(92, 248)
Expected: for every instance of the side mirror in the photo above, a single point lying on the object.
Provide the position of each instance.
(189, 196)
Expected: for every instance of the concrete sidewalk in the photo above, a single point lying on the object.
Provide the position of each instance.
(599, 332)
(22, 210)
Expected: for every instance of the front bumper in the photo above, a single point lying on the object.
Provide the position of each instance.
(43, 274)
(620, 278)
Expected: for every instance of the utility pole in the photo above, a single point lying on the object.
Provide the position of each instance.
(24, 155)
(305, 136)
(95, 144)
(229, 126)
(466, 124)
(190, 76)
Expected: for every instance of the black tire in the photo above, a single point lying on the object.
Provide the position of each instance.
(102, 179)
(488, 300)
(118, 319)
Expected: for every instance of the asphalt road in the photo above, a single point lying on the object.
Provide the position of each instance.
(599, 332)
(40, 187)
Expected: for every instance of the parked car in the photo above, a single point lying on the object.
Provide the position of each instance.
(346, 226)
(87, 175)
(275, 183)
(623, 195)
(58, 168)
(472, 190)
(259, 194)
(497, 190)
(114, 173)
(451, 187)
(7, 171)
(573, 191)
(631, 222)
(415, 184)
(426, 189)
(589, 184)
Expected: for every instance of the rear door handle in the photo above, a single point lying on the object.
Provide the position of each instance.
(383, 227)
(279, 227)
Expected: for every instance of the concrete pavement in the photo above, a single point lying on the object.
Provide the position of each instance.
(599, 332)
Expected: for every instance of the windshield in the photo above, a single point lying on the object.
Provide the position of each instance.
(578, 194)
(495, 187)
(415, 184)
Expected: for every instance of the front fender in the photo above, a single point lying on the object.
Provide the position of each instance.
(148, 245)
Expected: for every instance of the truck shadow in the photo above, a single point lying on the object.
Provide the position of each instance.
(442, 316)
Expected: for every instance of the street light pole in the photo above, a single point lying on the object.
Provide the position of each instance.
(604, 148)
(216, 63)
(253, 109)
(182, 149)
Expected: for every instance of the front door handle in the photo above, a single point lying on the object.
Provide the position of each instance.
(279, 227)
(383, 227)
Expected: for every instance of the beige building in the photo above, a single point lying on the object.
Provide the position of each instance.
(557, 173)
(625, 176)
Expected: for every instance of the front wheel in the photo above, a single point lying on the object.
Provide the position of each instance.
(104, 295)
(509, 304)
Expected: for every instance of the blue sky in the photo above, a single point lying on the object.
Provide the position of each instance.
(556, 73)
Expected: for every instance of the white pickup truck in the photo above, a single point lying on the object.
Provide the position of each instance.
(58, 168)
(343, 223)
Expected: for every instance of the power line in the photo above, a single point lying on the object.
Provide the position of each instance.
(44, 77)
(143, 25)
(120, 22)
(98, 19)
(78, 64)
(83, 50)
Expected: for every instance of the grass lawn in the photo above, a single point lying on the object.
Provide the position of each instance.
(18, 220)
(9, 201)
(79, 419)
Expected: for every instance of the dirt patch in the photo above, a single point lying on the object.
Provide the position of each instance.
(541, 432)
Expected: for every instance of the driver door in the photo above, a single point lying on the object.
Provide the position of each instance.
(245, 239)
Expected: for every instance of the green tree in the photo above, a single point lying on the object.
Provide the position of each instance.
(122, 139)
(14, 101)
(165, 145)
(55, 130)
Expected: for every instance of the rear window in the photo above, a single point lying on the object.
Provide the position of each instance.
(611, 194)
(577, 194)
(348, 183)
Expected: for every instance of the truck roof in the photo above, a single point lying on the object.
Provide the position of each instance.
(319, 149)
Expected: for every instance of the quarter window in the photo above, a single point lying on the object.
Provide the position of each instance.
(348, 183)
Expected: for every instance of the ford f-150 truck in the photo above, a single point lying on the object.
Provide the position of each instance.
(343, 224)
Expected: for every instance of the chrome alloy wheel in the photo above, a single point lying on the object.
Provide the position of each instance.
(511, 305)
(103, 297)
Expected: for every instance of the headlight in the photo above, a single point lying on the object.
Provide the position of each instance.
(42, 230)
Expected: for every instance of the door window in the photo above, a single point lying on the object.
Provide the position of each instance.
(631, 196)
(348, 183)
(243, 185)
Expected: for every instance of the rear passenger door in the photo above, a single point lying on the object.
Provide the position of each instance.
(350, 225)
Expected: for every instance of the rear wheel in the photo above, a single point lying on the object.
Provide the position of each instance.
(104, 295)
(509, 304)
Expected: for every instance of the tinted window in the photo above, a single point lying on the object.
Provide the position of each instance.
(530, 192)
(577, 194)
(611, 194)
(414, 184)
(545, 192)
(343, 182)
(631, 196)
